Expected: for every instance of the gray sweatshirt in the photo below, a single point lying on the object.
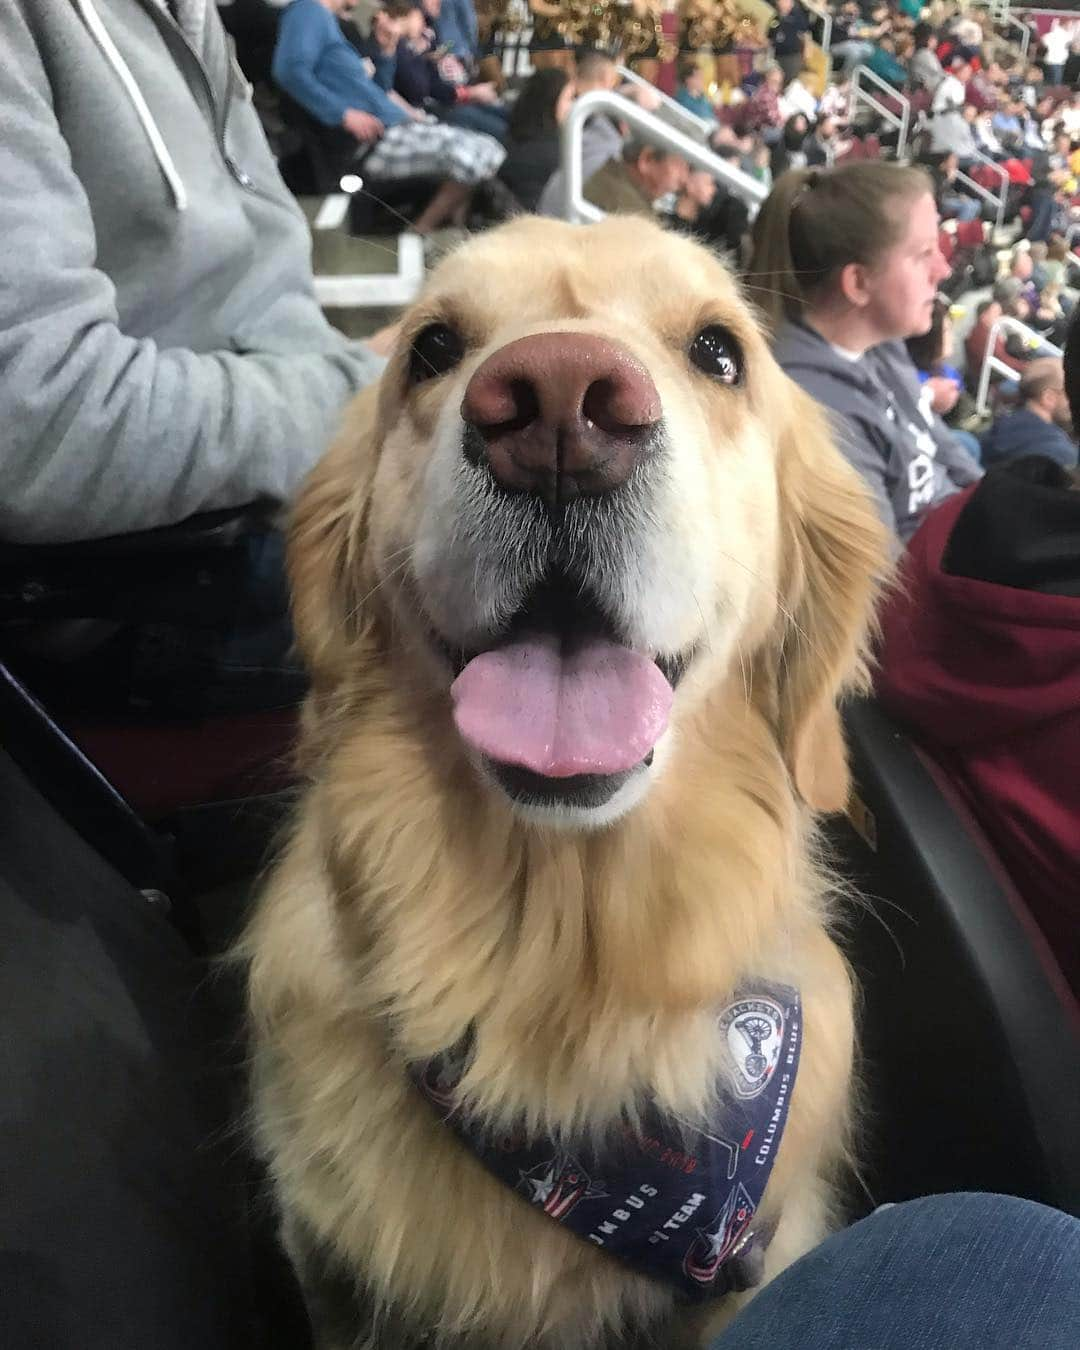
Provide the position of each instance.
(161, 349)
(905, 453)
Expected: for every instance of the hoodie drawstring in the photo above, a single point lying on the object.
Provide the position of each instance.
(123, 71)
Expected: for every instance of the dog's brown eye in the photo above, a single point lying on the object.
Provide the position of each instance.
(435, 350)
(715, 352)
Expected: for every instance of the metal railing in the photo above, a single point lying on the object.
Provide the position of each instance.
(1000, 12)
(1010, 21)
(652, 129)
(901, 120)
(992, 363)
(695, 125)
(819, 11)
(999, 199)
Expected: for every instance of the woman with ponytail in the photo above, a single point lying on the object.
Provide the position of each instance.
(846, 266)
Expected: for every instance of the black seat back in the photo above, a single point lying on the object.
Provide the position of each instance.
(133, 1215)
(971, 1039)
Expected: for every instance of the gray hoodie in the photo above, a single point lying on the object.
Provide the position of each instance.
(905, 453)
(161, 349)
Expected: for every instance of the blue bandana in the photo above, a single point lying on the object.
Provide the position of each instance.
(672, 1199)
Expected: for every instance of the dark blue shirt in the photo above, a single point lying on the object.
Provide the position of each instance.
(1025, 433)
(786, 32)
(317, 67)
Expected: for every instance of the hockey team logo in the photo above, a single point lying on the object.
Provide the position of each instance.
(713, 1245)
(754, 1028)
(557, 1185)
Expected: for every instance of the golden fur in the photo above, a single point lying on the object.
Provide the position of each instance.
(412, 903)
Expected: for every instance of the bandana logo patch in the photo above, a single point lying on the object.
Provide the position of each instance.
(754, 1029)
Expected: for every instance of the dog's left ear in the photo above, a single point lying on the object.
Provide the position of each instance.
(325, 537)
(836, 553)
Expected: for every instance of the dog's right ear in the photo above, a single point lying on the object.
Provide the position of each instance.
(326, 544)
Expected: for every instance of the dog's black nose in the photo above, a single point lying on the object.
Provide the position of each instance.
(560, 415)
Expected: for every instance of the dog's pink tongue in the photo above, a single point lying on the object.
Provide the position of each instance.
(597, 708)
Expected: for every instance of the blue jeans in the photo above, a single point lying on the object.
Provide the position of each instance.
(492, 119)
(949, 1272)
(959, 207)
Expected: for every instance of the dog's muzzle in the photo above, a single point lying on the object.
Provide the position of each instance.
(561, 708)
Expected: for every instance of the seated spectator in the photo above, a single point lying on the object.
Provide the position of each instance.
(886, 63)
(836, 101)
(631, 184)
(1031, 90)
(532, 142)
(317, 67)
(824, 145)
(987, 620)
(789, 34)
(941, 383)
(986, 141)
(952, 133)
(1007, 124)
(951, 93)
(716, 217)
(984, 89)
(690, 93)
(1040, 425)
(1050, 318)
(1056, 267)
(848, 264)
(925, 68)
(1021, 269)
(162, 349)
(852, 39)
(416, 78)
(762, 112)
(798, 98)
(788, 152)
(977, 344)
(952, 204)
(601, 136)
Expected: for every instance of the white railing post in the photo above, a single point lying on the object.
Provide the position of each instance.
(993, 363)
(901, 120)
(692, 120)
(657, 132)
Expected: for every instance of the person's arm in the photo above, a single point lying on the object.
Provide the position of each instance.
(961, 467)
(858, 443)
(300, 41)
(104, 433)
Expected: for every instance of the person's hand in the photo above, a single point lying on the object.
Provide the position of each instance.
(944, 393)
(483, 93)
(364, 126)
(645, 97)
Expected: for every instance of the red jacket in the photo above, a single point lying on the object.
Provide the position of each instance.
(987, 677)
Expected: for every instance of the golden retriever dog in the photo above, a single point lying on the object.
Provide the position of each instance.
(579, 586)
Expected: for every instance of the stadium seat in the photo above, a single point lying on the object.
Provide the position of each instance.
(970, 1037)
(150, 795)
(133, 1215)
